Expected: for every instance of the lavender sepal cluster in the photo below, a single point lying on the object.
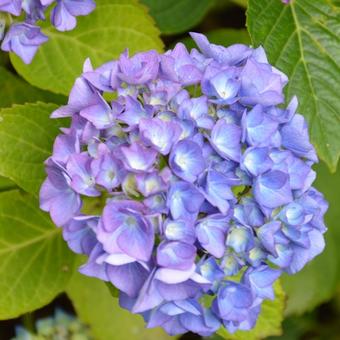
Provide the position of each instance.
(204, 178)
(24, 38)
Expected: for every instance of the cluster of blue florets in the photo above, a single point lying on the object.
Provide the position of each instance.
(204, 180)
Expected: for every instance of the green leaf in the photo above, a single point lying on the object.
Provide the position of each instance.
(26, 138)
(95, 306)
(223, 36)
(302, 39)
(4, 59)
(6, 184)
(316, 283)
(113, 26)
(15, 90)
(176, 16)
(269, 322)
(35, 263)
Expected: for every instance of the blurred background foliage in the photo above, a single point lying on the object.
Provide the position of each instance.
(312, 297)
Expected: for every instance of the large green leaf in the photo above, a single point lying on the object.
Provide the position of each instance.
(35, 263)
(302, 39)
(268, 323)
(95, 306)
(14, 90)
(26, 137)
(223, 36)
(176, 16)
(113, 26)
(316, 283)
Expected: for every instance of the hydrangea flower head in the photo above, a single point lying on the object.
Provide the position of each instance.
(24, 38)
(202, 178)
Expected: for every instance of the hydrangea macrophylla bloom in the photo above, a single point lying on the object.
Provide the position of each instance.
(63, 15)
(24, 38)
(200, 195)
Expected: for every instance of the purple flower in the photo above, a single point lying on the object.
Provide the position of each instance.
(178, 66)
(257, 160)
(125, 231)
(179, 230)
(211, 233)
(240, 239)
(248, 212)
(235, 305)
(99, 113)
(222, 87)
(260, 85)
(24, 40)
(272, 189)
(134, 112)
(47, 2)
(261, 281)
(138, 158)
(295, 138)
(196, 109)
(231, 55)
(139, 69)
(34, 10)
(216, 189)
(63, 15)
(80, 234)
(186, 160)
(107, 171)
(176, 255)
(79, 169)
(104, 78)
(160, 134)
(225, 139)
(57, 196)
(184, 200)
(259, 129)
(11, 6)
(150, 183)
(194, 198)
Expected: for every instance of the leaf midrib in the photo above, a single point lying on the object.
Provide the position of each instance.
(44, 236)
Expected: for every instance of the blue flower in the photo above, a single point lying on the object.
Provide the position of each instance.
(24, 40)
(272, 189)
(225, 139)
(179, 230)
(211, 233)
(176, 255)
(160, 134)
(63, 15)
(186, 160)
(130, 233)
(223, 87)
(57, 196)
(184, 200)
(203, 199)
(295, 138)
